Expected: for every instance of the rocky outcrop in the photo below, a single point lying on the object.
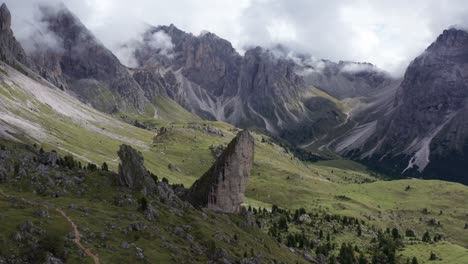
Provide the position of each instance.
(132, 172)
(49, 158)
(11, 51)
(222, 187)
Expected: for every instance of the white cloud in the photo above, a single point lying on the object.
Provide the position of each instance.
(159, 41)
(357, 67)
(386, 33)
(162, 42)
(281, 31)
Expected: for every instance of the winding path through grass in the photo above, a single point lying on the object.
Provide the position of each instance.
(77, 239)
(76, 232)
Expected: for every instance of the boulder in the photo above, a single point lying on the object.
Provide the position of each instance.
(3, 175)
(49, 158)
(165, 193)
(252, 260)
(125, 245)
(132, 172)
(137, 226)
(139, 253)
(222, 187)
(151, 213)
(51, 259)
(304, 218)
(248, 217)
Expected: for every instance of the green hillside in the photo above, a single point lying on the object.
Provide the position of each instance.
(181, 151)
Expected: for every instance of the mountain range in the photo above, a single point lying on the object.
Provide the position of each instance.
(413, 126)
(422, 128)
(191, 152)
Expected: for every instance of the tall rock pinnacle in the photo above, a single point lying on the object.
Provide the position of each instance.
(222, 187)
(132, 172)
(5, 17)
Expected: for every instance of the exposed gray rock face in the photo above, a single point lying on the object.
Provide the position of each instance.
(132, 172)
(11, 51)
(139, 253)
(154, 83)
(204, 74)
(425, 133)
(151, 213)
(166, 194)
(52, 260)
(257, 90)
(49, 158)
(3, 175)
(5, 18)
(219, 255)
(84, 66)
(207, 60)
(222, 187)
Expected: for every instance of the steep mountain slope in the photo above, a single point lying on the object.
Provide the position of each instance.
(37, 111)
(336, 199)
(362, 115)
(11, 50)
(203, 74)
(33, 111)
(110, 222)
(257, 90)
(424, 132)
(79, 63)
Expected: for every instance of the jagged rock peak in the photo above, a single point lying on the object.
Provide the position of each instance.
(132, 172)
(424, 132)
(5, 17)
(11, 51)
(222, 187)
(77, 61)
(450, 38)
(66, 25)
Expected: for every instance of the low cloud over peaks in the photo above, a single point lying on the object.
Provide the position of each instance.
(158, 41)
(388, 35)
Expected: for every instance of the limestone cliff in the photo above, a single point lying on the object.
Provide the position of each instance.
(222, 187)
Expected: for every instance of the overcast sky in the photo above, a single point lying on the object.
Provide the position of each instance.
(386, 33)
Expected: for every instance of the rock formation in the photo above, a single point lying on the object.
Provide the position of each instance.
(425, 132)
(11, 51)
(217, 83)
(222, 187)
(82, 64)
(49, 158)
(132, 172)
(5, 18)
